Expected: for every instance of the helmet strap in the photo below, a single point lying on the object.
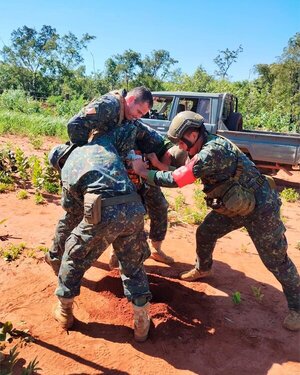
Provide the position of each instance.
(190, 144)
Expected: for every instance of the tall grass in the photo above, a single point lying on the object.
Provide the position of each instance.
(32, 124)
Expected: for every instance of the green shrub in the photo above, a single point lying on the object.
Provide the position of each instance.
(289, 195)
(12, 251)
(38, 197)
(22, 194)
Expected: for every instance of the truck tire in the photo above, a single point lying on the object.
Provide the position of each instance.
(234, 121)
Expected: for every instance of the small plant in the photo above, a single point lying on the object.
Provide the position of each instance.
(12, 359)
(191, 216)
(257, 293)
(37, 142)
(199, 199)
(7, 366)
(179, 202)
(38, 197)
(236, 298)
(42, 248)
(6, 187)
(11, 251)
(22, 194)
(22, 164)
(290, 195)
(32, 368)
(37, 172)
(31, 253)
(297, 245)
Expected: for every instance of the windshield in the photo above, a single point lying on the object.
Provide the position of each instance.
(161, 108)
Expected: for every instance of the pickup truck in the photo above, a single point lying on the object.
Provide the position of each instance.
(220, 112)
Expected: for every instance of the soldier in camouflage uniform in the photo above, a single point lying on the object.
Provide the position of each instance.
(239, 197)
(110, 111)
(95, 181)
(139, 136)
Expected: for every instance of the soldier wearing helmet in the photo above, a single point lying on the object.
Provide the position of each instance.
(59, 154)
(239, 196)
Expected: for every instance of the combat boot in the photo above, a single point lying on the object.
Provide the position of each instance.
(63, 312)
(194, 275)
(292, 321)
(141, 322)
(53, 262)
(157, 253)
(113, 261)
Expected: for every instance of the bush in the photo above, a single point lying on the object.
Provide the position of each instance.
(289, 195)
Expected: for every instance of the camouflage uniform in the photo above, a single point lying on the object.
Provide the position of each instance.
(97, 168)
(215, 163)
(102, 115)
(125, 138)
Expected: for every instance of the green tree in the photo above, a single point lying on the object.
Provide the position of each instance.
(225, 59)
(37, 59)
(158, 64)
(124, 68)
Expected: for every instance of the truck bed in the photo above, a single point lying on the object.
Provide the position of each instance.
(267, 146)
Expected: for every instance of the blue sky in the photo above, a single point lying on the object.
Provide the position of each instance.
(193, 31)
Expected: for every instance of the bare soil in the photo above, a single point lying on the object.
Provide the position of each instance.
(196, 327)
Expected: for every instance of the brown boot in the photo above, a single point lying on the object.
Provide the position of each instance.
(292, 321)
(141, 322)
(63, 312)
(194, 275)
(113, 261)
(158, 255)
(53, 262)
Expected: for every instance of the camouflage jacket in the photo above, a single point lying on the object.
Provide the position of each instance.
(99, 165)
(215, 163)
(102, 114)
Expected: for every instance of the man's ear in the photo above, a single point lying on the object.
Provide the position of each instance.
(130, 99)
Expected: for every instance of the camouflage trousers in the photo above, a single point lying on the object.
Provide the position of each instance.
(155, 204)
(268, 235)
(70, 219)
(157, 209)
(122, 226)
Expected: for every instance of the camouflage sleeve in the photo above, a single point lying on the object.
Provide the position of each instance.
(215, 161)
(161, 178)
(102, 114)
(149, 140)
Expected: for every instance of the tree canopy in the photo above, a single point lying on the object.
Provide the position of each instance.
(47, 65)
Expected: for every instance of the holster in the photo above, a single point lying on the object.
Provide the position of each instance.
(92, 208)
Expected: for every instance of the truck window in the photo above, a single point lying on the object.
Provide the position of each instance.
(161, 108)
(201, 106)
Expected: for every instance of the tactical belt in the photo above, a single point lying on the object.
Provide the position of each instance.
(120, 199)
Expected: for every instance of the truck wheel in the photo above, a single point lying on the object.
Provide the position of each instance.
(234, 121)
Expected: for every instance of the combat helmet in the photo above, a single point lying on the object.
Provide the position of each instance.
(182, 122)
(59, 154)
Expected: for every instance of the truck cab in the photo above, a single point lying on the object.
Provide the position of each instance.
(219, 110)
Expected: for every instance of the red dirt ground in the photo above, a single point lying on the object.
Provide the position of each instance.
(196, 327)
